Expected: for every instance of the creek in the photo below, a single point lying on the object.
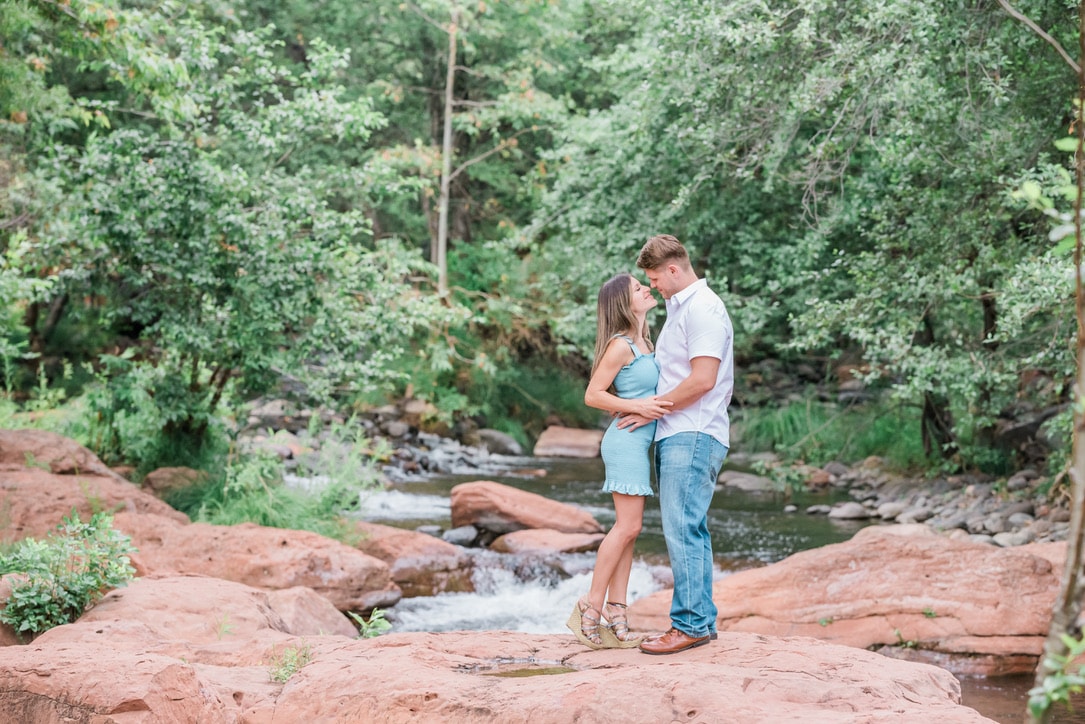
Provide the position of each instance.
(536, 595)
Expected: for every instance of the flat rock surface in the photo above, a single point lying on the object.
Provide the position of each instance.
(975, 608)
(134, 659)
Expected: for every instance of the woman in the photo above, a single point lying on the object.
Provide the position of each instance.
(623, 381)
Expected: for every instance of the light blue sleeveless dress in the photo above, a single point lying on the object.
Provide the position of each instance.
(625, 453)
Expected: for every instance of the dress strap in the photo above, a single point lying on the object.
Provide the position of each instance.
(636, 352)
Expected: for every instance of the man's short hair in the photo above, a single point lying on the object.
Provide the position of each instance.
(661, 250)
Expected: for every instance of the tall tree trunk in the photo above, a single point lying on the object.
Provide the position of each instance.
(39, 338)
(1068, 605)
(446, 159)
(936, 423)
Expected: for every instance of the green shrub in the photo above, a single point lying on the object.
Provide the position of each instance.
(61, 576)
(125, 417)
(1063, 683)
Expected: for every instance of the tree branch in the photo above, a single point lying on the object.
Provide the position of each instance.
(1042, 33)
(422, 14)
(499, 147)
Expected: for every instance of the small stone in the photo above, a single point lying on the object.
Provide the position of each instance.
(849, 511)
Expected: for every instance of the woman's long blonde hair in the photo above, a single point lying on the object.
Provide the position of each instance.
(615, 314)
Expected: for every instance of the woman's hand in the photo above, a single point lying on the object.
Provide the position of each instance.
(652, 408)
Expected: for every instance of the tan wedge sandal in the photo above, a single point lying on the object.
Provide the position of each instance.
(586, 623)
(618, 625)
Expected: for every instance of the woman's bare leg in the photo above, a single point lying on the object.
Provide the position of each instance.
(614, 559)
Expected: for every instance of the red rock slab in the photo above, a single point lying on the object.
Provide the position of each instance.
(542, 540)
(420, 564)
(455, 677)
(36, 501)
(51, 452)
(568, 442)
(99, 683)
(504, 509)
(984, 606)
(263, 557)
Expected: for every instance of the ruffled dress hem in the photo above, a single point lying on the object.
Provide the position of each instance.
(609, 487)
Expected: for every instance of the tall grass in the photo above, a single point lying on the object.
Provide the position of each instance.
(818, 432)
(251, 488)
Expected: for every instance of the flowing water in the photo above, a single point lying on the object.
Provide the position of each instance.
(536, 596)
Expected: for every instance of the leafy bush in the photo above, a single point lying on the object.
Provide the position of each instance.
(121, 420)
(1061, 685)
(60, 577)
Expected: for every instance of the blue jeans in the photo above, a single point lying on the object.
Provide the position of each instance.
(687, 464)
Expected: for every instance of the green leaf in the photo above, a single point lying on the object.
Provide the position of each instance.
(1068, 144)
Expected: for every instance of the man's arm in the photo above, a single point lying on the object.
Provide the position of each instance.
(701, 379)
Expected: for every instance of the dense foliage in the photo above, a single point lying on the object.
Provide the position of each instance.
(54, 580)
(843, 170)
(209, 201)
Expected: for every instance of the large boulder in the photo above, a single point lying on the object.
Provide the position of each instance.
(96, 682)
(36, 501)
(568, 442)
(49, 451)
(200, 650)
(170, 648)
(203, 619)
(271, 558)
(904, 590)
(420, 564)
(163, 481)
(499, 442)
(502, 509)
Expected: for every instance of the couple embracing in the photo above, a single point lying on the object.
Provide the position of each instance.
(675, 395)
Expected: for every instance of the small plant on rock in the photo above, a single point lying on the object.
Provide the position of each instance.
(58, 578)
(289, 662)
(223, 626)
(903, 642)
(375, 626)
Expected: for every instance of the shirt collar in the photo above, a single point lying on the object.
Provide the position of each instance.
(679, 298)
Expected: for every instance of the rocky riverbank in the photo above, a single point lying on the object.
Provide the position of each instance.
(1011, 511)
(932, 586)
(246, 624)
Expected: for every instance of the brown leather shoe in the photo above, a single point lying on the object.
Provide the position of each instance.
(672, 642)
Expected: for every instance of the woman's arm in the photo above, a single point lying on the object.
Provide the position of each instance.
(701, 379)
(616, 356)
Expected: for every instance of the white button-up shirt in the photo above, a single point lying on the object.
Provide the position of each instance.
(697, 326)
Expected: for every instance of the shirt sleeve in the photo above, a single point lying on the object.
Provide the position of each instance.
(707, 329)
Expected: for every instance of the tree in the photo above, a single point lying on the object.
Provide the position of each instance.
(211, 231)
(1068, 605)
(840, 170)
(484, 87)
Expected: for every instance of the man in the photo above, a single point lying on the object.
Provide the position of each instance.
(696, 361)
